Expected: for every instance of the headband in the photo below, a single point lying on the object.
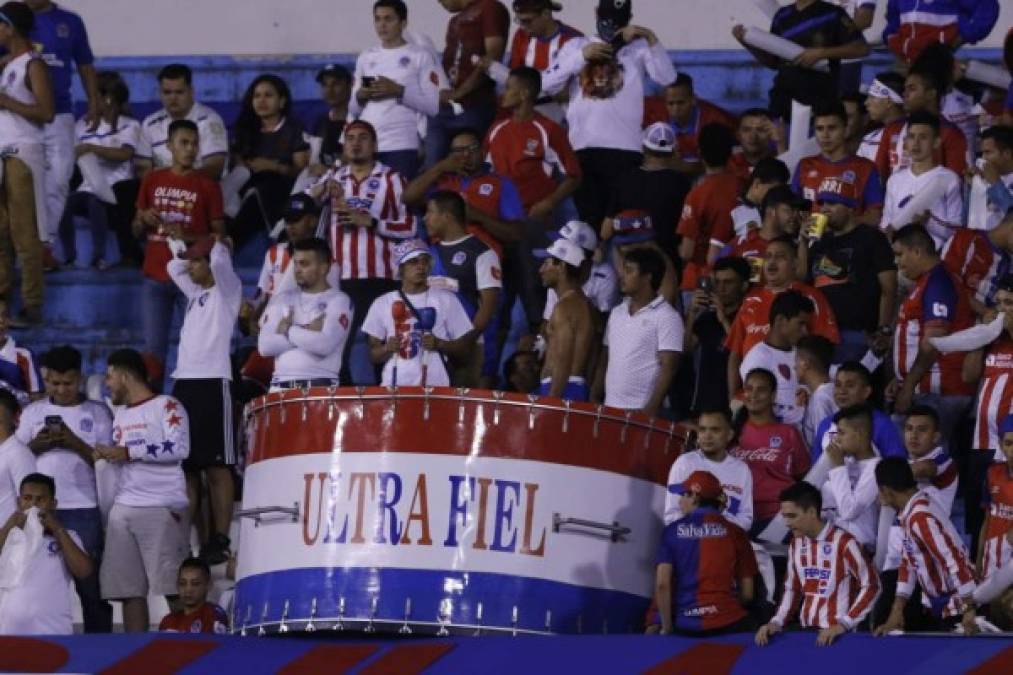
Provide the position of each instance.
(879, 90)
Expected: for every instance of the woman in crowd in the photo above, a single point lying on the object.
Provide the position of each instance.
(270, 143)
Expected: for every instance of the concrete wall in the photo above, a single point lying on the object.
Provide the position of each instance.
(279, 27)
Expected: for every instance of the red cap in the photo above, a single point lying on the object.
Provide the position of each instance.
(200, 248)
(703, 484)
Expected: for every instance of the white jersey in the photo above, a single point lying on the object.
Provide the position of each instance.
(962, 111)
(735, 477)
(389, 316)
(16, 462)
(946, 213)
(278, 276)
(75, 478)
(125, 134)
(606, 106)
(397, 121)
(601, 288)
(156, 434)
(40, 604)
(782, 364)
(820, 406)
(851, 499)
(15, 129)
(206, 336)
(634, 343)
(155, 135)
(301, 353)
(869, 147)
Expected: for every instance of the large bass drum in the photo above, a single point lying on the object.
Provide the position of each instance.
(441, 511)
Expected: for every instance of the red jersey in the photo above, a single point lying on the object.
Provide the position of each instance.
(707, 220)
(467, 31)
(777, 457)
(193, 201)
(752, 323)
(749, 245)
(832, 578)
(532, 154)
(933, 556)
(208, 618)
(972, 257)
(937, 300)
(998, 502)
(708, 555)
(952, 152)
(858, 174)
(491, 194)
(995, 398)
(740, 166)
(539, 53)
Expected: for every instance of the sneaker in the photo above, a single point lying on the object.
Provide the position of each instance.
(27, 318)
(216, 550)
(49, 261)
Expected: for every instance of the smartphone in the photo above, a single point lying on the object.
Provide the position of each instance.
(705, 284)
(53, 422)
(368, 80)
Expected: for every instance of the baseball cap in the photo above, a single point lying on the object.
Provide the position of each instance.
(659, 137)
(633, 226)
(536, 5)
(580, 233)
(409, 250)
(837, 190)
(703, 485)
(333, 70)
(199, 249)
(562, 249)
(298, 206)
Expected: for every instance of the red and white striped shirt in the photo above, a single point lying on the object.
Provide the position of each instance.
(995, 399)
(976, 261)
(832, 578)
(527, 50)
(934, 557)
(368, 252)
(999, 504)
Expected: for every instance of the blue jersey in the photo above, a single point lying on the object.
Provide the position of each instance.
(60, 38)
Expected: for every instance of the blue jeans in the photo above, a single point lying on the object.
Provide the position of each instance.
(98, 614)
(87, 205)
(159, 300)
(443, 125)
(405, 162)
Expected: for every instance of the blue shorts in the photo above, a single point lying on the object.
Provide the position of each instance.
(576, 390)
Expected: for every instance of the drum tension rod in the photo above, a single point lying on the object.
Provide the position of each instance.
(257, 513)
(615, 530)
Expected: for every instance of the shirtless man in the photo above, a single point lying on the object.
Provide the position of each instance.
(571, 333)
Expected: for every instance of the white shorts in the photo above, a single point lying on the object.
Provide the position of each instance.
(144, 547)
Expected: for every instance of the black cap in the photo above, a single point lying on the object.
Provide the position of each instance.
(18, 16)
(536, 5)
(334, 70)
(300, 205)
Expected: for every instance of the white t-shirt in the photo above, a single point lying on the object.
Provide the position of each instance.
(821, 405)
(735, 477)
(633, 345)
(389, 316)
(946, 214)
(40, 604)
(16, 462)
(75, 478)
(606, 106)
(126, 134)
(304, 354)
(155, 135)
(782, 364)
(156, 434)
(277, 274)
(205, 339)
(601, 288)
(397, 120)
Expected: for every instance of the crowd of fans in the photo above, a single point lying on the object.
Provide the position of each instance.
(852, 304)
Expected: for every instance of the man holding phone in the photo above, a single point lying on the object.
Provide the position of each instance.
(61, 431)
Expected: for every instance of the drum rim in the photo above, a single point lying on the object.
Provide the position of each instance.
(599, 411)
(381, 626)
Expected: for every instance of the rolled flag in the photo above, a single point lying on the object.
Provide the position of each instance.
(972, 338)
(768, 7)
(986, 73)
(977, 202)
(795, 155)
(778, 46)
(921, 201)
(231, 184)
(95, 178)
(497, 71)
(801, 118)
(316, 144)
